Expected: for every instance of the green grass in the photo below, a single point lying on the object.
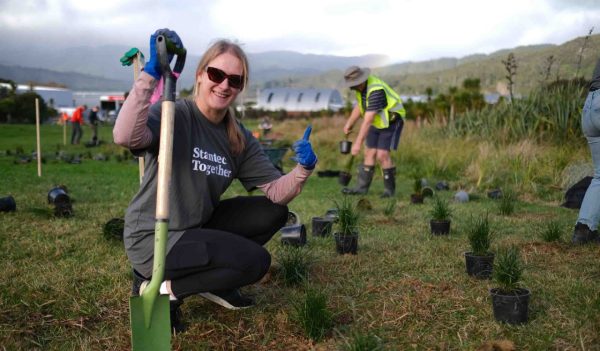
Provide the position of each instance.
(65, 287)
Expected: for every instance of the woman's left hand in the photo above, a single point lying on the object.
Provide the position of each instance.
(305, 155)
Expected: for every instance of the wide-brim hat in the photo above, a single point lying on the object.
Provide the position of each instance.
(355, 75)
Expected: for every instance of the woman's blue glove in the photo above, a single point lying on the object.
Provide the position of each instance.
(304, 152)
(152, 67)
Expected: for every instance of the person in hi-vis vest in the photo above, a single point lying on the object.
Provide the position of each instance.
(383, 119)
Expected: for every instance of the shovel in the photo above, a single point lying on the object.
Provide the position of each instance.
(149, 313)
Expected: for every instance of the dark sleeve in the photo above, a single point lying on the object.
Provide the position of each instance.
(255, 168)
(377, 101)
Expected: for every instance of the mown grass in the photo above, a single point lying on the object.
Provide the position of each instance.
(65, 287)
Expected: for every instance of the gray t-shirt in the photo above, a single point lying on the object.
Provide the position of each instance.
(203, 168)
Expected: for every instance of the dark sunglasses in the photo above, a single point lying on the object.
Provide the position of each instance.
(216, 75)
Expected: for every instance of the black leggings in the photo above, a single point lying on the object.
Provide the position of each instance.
(227, 252)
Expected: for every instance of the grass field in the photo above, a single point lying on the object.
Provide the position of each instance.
(65, 287)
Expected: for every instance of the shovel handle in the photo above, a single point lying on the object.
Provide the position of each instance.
(165, 48)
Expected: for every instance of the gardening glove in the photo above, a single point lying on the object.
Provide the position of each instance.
(152, 67)
(305, 155)
(127, 59)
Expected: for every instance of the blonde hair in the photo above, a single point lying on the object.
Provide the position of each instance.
(236, 138)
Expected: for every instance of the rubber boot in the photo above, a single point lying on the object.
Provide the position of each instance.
(389, 182)
(583, 235)
(365, 176)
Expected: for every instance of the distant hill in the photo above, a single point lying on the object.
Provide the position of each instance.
(69, 66)
(88, 69)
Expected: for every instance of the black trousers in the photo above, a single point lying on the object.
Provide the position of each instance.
(227, 252)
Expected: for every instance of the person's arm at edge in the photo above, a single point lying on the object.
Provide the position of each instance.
(284, 189)
(364, 127)
(354, 115)
(130, 128)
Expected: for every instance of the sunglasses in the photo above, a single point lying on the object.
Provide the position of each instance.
(235, 81)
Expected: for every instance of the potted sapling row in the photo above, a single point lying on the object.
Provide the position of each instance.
(440, 213)
(479, 261)
(510, 301)
(346, 236)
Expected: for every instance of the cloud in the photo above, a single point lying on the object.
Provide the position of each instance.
(401, 29)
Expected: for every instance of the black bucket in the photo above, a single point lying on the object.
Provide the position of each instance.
(8, 204)
(294, 235)
(480, 267)
(345, 146)
(439, 227)
(344, 178)
(511, 308)
(321, 226)
(62, 203)
(346, 244)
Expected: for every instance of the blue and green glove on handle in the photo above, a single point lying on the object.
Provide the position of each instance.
(305, 155)
(152, 67)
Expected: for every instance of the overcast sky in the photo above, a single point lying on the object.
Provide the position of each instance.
(403, 30)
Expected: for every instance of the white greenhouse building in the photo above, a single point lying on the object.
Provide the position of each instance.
(299, 100)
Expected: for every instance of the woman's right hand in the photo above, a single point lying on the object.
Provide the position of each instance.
(152, 67)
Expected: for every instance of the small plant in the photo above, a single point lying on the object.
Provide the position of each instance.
(552, 232)
(347, 217)
(479, 236)
(364, 342)
(313, 316)
(508, 270)
(507, 203)
(295, 264)
(417, 186)
(440, 211)
(390, 208)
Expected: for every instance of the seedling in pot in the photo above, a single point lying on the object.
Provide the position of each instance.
(509, 300)
(313, 316)
(479, 261)
(440, 213)
(346, 235)
(417, 196)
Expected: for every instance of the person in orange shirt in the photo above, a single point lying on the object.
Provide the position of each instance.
(77, 121)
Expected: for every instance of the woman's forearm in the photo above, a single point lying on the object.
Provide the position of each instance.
(130, 128)
(286, 188)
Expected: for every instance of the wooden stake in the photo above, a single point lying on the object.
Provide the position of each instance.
(136, 72)
(64, 131)
(37, 134)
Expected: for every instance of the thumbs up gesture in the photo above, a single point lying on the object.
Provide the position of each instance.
(305, 155)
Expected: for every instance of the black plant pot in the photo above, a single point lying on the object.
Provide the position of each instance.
(346, 243)
(8, 204)
(62, 202)
(512, 308)
(344, 178)
(345, 146)
(332, 214)
(416, 198)
(440, 227)
(480, 267)
(294, 235)
(321, 226)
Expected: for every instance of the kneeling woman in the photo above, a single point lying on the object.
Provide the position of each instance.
(214, 246)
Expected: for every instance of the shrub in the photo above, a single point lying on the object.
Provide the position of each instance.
(313, 316)
(480, 236)
(347, 216)
(552, 232)
(507, 202)
(295, 264)
(440, 211)
(508, 270)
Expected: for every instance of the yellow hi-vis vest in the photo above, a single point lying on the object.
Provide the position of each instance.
(394, 102)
